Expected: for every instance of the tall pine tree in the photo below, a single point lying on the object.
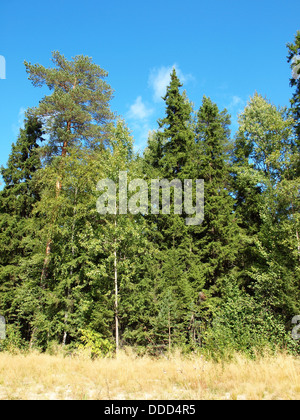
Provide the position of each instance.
(75, 115)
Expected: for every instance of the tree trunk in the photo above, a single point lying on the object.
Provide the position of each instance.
(169, 320)
(298, 243)
(297, 234)
(58, 190)
(32, 338)
(68, 291)
(64, 341)
(65, 145)
(116, 292)
(46, 262)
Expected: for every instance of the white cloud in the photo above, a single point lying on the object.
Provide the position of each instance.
(138, 110)
(160, 78)
(20, 124)
(139, 121)
(236, 101)
(235, 106)
(141, 131)
(141, 114)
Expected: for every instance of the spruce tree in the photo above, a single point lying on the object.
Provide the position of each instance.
(17, 200)
(19, 192)
(216, 237)
(169, 156)
(175, 134)
(294, 60)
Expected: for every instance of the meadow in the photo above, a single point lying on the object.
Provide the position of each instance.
(35, 376)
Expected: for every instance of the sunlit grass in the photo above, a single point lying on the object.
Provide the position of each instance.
(41, 376)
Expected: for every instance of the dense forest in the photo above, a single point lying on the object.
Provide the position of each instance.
(72, 277)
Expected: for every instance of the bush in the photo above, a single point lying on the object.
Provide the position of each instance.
(242, 324)
(13, 343)
(96, 344)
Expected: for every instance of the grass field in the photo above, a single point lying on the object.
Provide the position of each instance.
(40, 376)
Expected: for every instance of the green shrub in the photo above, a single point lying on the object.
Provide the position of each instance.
(13, 342)
(243, 324)
(96, 344)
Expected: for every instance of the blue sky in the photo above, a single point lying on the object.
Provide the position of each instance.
(226, 50)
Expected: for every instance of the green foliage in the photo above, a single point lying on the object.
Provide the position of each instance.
(14, 342)
(244, 324)
(175, 134)
(217, 239)
(264, 139)
(293, 51)
(77, 112)
(143, 280)
(96, 344)
(17, 200)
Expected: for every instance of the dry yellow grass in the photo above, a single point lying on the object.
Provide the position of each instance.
(41, 376)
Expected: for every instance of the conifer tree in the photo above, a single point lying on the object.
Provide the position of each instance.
(294, 60)
(77, 111)
(175, 134)
(23, 162)
(17, 200)
(217, 239)
(169, 156)
(75, 115)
